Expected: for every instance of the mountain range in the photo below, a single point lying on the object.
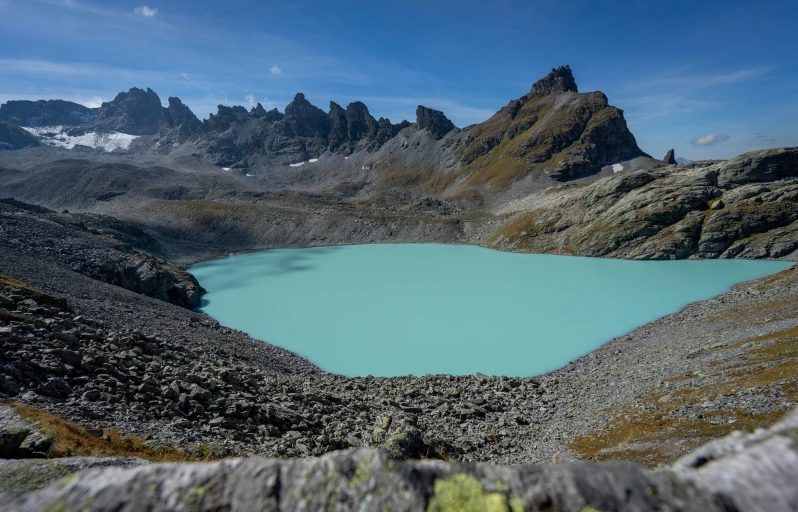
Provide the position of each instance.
(552, 134)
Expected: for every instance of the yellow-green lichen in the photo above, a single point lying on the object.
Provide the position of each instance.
(363, 472)
(464, 493)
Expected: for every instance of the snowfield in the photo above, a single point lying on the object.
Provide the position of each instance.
(57, 136)
(617, 167)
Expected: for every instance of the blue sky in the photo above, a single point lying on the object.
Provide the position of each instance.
(710, 78)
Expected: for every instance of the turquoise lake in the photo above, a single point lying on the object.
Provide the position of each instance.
(388, 310)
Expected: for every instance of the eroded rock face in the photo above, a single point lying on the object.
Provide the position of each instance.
(46, 113)
(21, 440)
(670, 158)
(758, 166)
(99, 254)
(742, 472)
(305, 120)
(560, 79)
(339, 126)
(434, 121)
(12, 137)
(136, 112)
(563, 136)
(703, 209)
(180, 116)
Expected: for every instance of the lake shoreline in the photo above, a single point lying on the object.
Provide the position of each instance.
(268, 401)
(264, 293)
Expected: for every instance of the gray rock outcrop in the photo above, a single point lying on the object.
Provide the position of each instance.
(46, 113)
(434, 121)
(12, 137)
(670, 157)
(136, 112)
(19, 439)
(758, 166)
(560, 79)
(182, 118)
(305, 120)
(742, 472)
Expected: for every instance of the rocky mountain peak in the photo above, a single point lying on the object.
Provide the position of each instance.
(181, 117)
(136, 112)
(670, 158)
(361, 123)
(433, 120)
(560, 79)
(339, 126)
(269, 116)
(305, 120)
(258, 111)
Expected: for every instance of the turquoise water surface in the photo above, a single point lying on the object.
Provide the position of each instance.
(389, 310)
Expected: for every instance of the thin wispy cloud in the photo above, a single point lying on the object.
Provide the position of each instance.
(709, 140)
(700, 80)
(145, 11)
(250, 98)
(274, 70)
(762, 138)
(661, 105)
(74, 5)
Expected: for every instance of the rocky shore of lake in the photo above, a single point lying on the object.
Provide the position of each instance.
(106, 357)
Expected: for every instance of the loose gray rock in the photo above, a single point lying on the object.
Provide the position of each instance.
(754, 472)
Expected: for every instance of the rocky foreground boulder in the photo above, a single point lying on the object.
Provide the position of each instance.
(740, 472)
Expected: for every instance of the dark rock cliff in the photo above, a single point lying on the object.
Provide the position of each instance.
(13, 137)
(434, 121)
(670, 158)
(560, 79)
(46, 113)
(136, 112)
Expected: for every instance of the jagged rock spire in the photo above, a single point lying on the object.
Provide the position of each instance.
(433, 120)
(560, 79)
(670, 158)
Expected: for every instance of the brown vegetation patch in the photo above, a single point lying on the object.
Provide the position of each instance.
(72, 440)
(663, 426)
(16, 283)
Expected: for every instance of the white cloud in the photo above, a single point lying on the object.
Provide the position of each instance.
(94, 102)
(145, 11)
(250, 99)
(275, 70)
(709, 140)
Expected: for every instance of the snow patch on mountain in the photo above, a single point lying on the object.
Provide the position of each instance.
(58, 136)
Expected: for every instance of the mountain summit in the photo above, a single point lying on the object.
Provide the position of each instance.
(560, 79)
